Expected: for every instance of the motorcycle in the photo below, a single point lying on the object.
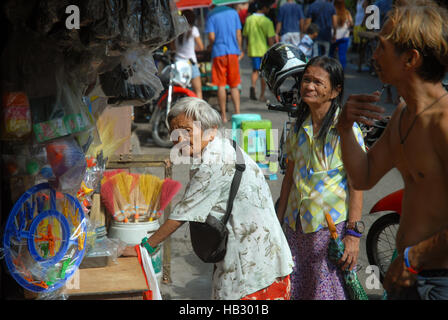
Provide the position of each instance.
(176, 79)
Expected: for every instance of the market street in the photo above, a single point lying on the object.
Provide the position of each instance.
(191, 278)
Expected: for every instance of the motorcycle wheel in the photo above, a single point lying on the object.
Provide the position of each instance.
(380, 243)
(160, 132)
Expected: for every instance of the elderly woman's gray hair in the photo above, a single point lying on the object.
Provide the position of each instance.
(198, 110)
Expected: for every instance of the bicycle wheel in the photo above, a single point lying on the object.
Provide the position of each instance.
(380, 244)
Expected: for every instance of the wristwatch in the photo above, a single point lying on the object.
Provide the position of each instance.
(357, 226)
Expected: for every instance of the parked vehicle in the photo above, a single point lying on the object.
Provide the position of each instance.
(176, 79)
(380, 243)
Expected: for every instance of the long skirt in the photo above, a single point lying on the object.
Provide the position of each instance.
(314, 276)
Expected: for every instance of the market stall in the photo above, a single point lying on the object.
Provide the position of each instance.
(71, 73)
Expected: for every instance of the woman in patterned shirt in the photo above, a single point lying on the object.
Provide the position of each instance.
(315, 183)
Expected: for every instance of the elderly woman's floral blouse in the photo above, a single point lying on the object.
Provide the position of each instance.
(257, 250)
(320, 180)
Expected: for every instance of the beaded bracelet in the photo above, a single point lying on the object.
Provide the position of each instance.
(407, 263)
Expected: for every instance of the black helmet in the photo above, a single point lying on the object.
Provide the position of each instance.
(282, 61)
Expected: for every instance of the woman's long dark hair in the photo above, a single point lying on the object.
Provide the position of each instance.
(191, 18)
(336, 73)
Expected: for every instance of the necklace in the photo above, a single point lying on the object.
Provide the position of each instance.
(402, 140)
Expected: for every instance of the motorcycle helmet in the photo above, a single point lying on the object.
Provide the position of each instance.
(282, 68)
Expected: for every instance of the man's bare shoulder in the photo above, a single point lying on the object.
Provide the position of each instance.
(394, 123)
(439, 128)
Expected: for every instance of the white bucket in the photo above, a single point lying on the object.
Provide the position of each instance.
(133, 233)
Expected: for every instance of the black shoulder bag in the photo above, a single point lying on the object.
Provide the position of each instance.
(209, 238)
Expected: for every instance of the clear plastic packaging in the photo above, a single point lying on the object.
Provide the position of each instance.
(44, 239)
(133, 80)
(68, 163)
(16, 117)
(60, 115)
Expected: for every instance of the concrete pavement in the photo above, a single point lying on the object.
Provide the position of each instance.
(191, 279)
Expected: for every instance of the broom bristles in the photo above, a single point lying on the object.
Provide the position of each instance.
(107, 196)
(169, 189)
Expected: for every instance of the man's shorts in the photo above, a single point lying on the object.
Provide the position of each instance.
(226, 70)
(256, 62)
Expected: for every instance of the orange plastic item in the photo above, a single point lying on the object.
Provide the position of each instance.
(331, 226)
(50, 238)
(16, 115)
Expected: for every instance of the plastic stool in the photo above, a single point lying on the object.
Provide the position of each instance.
(257, 139)
(237, 119)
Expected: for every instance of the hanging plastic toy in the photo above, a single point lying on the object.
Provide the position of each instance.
(44, 239)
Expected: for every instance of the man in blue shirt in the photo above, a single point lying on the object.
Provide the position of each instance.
(224, 34)
(321, 12)
(290, 22)
(385, 6)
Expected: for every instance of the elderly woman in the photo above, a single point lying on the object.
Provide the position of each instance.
(258, 260)
(316, 183)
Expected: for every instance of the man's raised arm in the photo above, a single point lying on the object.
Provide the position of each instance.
(363, 169)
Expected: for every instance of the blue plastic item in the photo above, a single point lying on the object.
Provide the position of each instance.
(44, 238)
(237, 119)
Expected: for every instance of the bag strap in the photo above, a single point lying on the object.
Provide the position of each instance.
(240, 167)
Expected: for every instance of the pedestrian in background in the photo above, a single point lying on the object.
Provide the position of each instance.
(185, 50)
(290, 23)
(306, 44)
(342, 22)
(260, 33)
(321, 12)
(359, 26)
(224, 34)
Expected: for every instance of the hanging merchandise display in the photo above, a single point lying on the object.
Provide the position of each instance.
(44, 238)
(16, 116)
(133, 81)
(56, 81)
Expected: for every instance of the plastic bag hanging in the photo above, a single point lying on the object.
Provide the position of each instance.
(134, 81)
(60, 115)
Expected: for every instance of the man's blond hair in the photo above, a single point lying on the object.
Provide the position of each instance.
(422, 25)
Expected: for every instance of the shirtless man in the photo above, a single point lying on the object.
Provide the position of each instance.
(415, 142)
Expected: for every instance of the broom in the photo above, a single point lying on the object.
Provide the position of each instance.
(169, 190)
(152, 211)
(150, 187)
(108, 199)
(135, 196)
(121, 195)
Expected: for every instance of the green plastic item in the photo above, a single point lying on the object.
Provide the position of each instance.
(257, 139)
(32, 167)
(237, 120)
(64, 267)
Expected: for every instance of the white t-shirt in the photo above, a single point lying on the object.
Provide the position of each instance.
(257, 249)
(343, 31)
(185, 50)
